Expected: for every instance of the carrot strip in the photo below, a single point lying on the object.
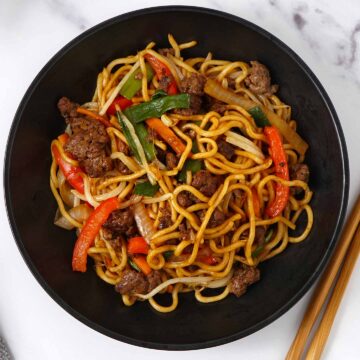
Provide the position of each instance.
(256, 202)
(91, 114)
(137, 245)
(142, 264)
(167, 134)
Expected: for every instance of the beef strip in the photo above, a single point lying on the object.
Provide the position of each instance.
(216, 218)
(164, 82)
(88, 141)
(184, 199)
(299, 172)
(193, 85)
(226, 149)
(165, 218)
(206, 183)
(171, 160)
(121, 221)
(242, 278)
(133, 282)
(259, 80)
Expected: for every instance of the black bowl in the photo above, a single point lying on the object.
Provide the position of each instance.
(47, 249)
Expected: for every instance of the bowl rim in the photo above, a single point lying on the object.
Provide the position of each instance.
(127, 16)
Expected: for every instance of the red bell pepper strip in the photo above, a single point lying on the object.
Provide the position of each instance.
(89, 231)
(161, 71)
(91, 114)
(137, 245)
(120, 101)
(140, 261)
(72, 173)
(281, 170)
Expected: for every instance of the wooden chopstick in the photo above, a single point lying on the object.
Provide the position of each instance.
(325, 285)
(319, 340)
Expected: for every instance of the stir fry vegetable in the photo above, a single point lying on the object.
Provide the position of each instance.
(162, 71)
(137, 245)
(281, 169)
(73, 174)
(133, 84)
(141, 263)
(244, 143)
(128, 136)
(214, 89)
(258, 115)
(157, 107)
(167, 135)
(148, 146)
(146, 189)
(120, 101)
(190, 165)
(89, 232)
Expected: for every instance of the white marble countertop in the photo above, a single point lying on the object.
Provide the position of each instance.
(326, 34)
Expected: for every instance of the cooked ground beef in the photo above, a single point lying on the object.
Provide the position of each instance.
(154, 279)
(299, 172)
(171, 160)
(218, 107)
(133, 282)
(259, 80)
(123, 169)
(88, 140)
(164, 82)
(121, 222)
(193, 85)
(226, 149)
(206, 183)
(242, 278)
(184, 232)
(122, 147)
(184, 199)
(216, 218)
(260, 232)
(165, 218)
(195, 106)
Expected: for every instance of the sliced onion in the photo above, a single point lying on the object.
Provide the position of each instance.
(244, 143)
(143, 221)
(65, 189)
(220, 282)
(214, 89)
(80, 213)
(196, 280)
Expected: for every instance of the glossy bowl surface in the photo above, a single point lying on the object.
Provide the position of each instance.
(47, 249)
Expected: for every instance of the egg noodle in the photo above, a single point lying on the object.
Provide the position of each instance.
(249, 173)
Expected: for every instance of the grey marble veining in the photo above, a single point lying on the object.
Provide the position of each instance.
(332, 35)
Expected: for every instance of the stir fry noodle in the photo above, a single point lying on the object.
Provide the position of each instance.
(180, 175)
